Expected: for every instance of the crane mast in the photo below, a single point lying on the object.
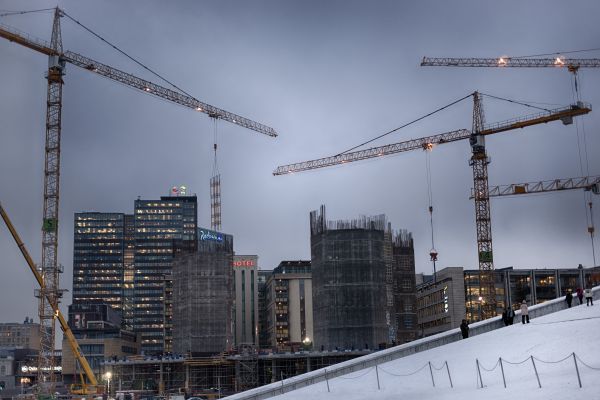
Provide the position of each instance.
(479, 162)
(49, 293)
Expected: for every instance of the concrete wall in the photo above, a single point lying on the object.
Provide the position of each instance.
(368, 361)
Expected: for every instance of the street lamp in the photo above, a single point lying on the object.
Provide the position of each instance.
(307, 343)
(480, 301)
(107, 377)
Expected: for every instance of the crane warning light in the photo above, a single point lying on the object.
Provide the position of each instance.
(147, 89)
(559, 62)
(198, 109)
(502, 61)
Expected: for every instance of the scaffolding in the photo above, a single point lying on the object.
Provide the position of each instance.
(217, 376)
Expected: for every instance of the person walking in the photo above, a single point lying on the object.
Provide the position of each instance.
(588, 297)
(524, 312)
(464, 329)
(569, 298)
(580, 295)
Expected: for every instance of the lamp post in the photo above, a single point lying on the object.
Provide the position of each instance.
(480, 301)
(107, 377)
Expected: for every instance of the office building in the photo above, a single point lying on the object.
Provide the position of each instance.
(441, 302)
(203, 289)
(164, 228)
(20, 336)
(125, 261)
(245, 269)
(454, 294)
(97, 328)
(98, 258)
(289, 308)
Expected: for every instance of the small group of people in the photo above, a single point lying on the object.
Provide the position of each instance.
(508, 315)
(587, 293)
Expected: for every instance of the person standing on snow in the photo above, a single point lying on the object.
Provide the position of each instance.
(580, 295)
(510, 315)
(524, 312)
(588, 297)
(569, 298)
(464, 329)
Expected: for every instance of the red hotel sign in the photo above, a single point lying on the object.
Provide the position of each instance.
(244, 263)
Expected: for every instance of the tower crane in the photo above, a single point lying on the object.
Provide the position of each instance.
(572, 64)
(478, 162)
(49, 293)
(557, 61)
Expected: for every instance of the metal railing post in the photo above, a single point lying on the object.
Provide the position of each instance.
(536, 373)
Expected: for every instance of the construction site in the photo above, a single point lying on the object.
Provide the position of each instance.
(173, 292)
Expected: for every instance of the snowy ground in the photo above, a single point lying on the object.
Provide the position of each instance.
(549, 339)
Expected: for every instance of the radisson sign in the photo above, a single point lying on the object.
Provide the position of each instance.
(208, 235)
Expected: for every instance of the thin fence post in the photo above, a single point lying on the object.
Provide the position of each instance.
(281, 382)
(577, 369)
(377, 373)
(502, 368)
(536, 373)
(431, 372)
(327, 380)
(479, 372)
(449, 377)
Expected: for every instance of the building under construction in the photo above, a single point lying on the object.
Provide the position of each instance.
(354, 262)
(219, 375)
(203, 289)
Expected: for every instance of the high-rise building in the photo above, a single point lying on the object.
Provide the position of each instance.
(289, 306)
(404, 306)
(98, 258)
(125, 261)
(245, 269)
(349, 282)
(163, 229)
(203, 289)
(263, 326)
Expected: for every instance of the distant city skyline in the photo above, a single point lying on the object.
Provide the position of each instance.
(327, 76)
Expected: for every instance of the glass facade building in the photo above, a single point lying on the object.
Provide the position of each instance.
(98, 258)
(164, 228)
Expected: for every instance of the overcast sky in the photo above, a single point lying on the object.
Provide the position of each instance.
(327, 75)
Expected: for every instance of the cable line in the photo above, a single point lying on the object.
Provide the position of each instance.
(127, 55)
(405, 125)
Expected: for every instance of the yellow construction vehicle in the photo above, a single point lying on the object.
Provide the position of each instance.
(89, 387)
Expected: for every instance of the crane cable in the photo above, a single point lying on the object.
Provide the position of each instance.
(215, 170)
(433, 252)
(584, 164)
(405, 125)
(127, 55)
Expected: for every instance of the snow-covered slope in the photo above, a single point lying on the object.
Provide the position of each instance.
(549, 339)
